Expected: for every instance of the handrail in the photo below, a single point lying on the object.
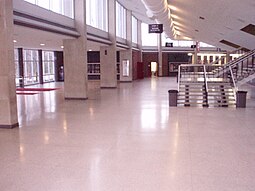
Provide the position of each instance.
(179, 77)
(217, 60)
(233, 80)
(205, 77)
(252, 52)
(206, 85)
(225, 67)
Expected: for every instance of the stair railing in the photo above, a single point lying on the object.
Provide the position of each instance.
(236, 61)
(206, 87)
(233, 81)
(241, 68)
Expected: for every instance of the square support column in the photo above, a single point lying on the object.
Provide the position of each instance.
(8, 100)
(75, 57)
(108, 55)
(76, 78)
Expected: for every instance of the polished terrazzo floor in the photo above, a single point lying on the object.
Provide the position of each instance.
(127, 139)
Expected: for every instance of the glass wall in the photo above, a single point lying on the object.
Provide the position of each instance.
(121, 21)
(148, 39)
(97, 14)
(134, 30)
(31, 67)
(63, 7)
(48, 66)
(16, 62)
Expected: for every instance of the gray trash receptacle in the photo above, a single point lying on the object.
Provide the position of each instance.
(172, 98)
(241, 99)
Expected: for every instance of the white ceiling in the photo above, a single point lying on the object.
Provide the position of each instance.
(223, 19)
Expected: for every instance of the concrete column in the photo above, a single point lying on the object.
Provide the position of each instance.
(194, 56)
(75, 57)
(8, 101)
(160, 57)
(108, 54)
(126, 55)
(228, 57)
(139, 38)
(21, 67)
(40, 75)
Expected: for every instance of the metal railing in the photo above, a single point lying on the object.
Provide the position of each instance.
(232, 72)
(239, 68)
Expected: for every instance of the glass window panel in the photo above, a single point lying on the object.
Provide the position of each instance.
(121, 22)
(148, 39)
(64, 7)
(134, 29)
(44, 3)
(97, 14)
(31, 1)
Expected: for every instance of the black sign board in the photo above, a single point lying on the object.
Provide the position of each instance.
(155, 28)
(193, 46)
(169, 44)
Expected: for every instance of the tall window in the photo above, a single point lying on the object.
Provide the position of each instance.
(16, 62)
(121, 21)
(148, 39)
(31, 67)
(63, 7)
(48, 66)
(134, 30)
(97, 14)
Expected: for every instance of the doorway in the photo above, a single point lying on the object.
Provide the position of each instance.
(154, 67)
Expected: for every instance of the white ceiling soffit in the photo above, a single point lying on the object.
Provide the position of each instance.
(207, 21)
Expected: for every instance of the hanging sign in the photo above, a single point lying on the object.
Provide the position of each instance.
(155, 28)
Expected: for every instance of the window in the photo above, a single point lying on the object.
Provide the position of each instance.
(31, 67)
(48, 66)
(148, 39)
(63, 7)
(134, 30)
(121, 21)
(16, 62)
(97, 14)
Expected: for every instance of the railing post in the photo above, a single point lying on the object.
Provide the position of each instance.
(179, 77)
(233, 81)
(206, 88)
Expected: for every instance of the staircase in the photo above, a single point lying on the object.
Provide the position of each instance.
(213, 85)
(221, 94)
(192, 94)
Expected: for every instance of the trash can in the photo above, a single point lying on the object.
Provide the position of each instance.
(172, 98)
(21, 82)
(241, 99)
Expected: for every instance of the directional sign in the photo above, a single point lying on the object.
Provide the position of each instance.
(155, 28)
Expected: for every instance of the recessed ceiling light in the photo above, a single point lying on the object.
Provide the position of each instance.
(90, 50)
(42, 44)
(14, 41)
(189, 54)
(62, 47)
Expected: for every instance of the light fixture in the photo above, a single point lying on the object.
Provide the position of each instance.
(189, 54)
(173, 8)
(14, 41)
(42, 44)
(174, 16)
(90, 49)
(62, 47)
